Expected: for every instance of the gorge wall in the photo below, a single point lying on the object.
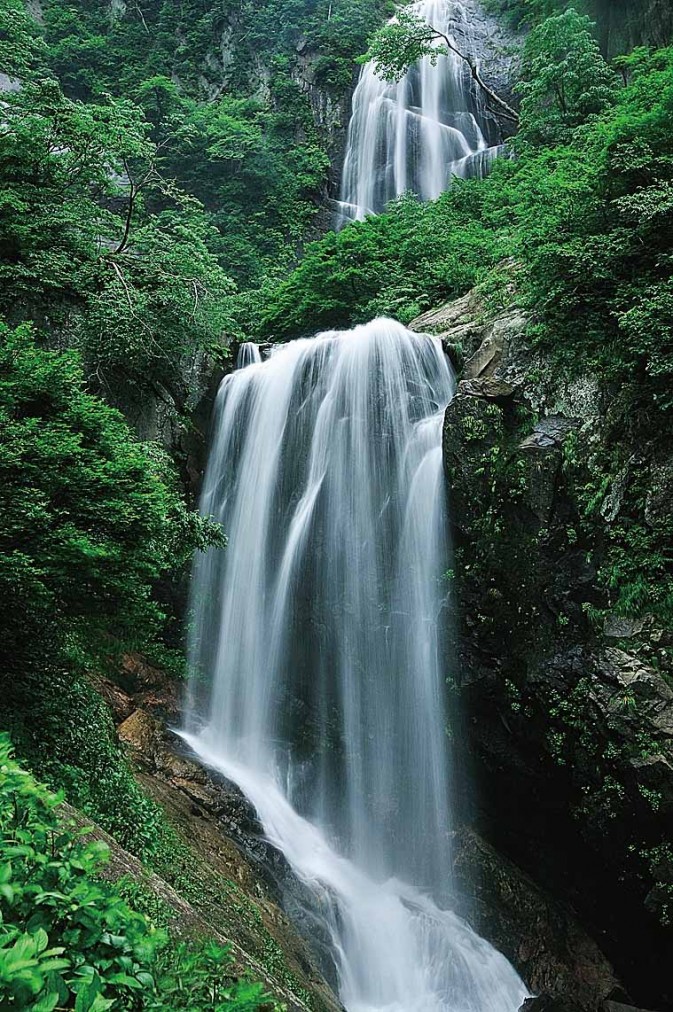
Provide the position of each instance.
(624, 24)
(569, 708)
(564, 858)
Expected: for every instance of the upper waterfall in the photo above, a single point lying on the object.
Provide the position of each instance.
(248, 354)
(319, 653)
(417, 134)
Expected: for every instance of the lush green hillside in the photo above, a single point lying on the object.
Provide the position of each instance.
(221, 85)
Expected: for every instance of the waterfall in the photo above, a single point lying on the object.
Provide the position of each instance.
(248, 354)
(415, 135)
(319, 655)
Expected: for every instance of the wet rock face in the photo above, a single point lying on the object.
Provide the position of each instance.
(249, 894)
(179, 419)
(538, 933)
(623, 24)
(497, 50)
(568, 720)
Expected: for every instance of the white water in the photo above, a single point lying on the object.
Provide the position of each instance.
(248, 354)
(318, 642)
(415, 135)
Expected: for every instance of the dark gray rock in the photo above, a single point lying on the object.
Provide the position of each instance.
(570, 740)
(488, 387)
(549, 1003)
(623, 24)
(616, 627)
(659, 504)
(539, 934)
(549, 432)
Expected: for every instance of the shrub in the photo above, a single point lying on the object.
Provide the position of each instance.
(69, 940)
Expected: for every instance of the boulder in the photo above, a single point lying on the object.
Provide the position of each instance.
(549, 432)
(550, 1003)
(488, 387)
(488, 357)
(539, 934)
(142, 735)
(616, 627)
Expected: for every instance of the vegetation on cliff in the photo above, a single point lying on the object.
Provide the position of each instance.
(162, 170)
(222, 88)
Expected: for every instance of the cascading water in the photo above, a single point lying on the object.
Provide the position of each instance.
(319, 656)
(248, 354)
(415, 135)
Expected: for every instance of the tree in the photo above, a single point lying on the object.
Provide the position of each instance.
(91, 517)
(565, 80)
(21, 49)
(80, 239)
(407, 39)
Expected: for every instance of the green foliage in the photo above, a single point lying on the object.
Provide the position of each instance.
(565, 80)
(399, 264)
(21, 50)
(63, 729)
(247, 148)
(191, 979)
(65, 940)
(91, 517)
(68, 939)
(398, 45)
(233, 154)
(621, 24)
(136, 289)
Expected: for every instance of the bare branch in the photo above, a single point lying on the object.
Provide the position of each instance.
(142, 18)
(121, 277)
(506, 109)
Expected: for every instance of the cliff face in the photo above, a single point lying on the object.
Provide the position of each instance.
(624, 24)
(569, 707)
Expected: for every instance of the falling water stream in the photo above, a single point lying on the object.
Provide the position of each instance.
(320, 656)
(417, 134)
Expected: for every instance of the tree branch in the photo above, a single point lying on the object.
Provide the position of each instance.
(142, 18)
(506, 109)
(135, 189)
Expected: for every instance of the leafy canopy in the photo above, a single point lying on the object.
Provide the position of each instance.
(396, 46)
(565, 80)
(93, 236)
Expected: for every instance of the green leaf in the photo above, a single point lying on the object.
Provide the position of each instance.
(47, 1002)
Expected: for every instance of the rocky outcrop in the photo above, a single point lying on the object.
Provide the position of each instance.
(234, 886)
(179, 419)
(568, 706)
(539, 934)
(623, 24)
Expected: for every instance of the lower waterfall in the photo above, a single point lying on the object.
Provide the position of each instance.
(319, 656)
